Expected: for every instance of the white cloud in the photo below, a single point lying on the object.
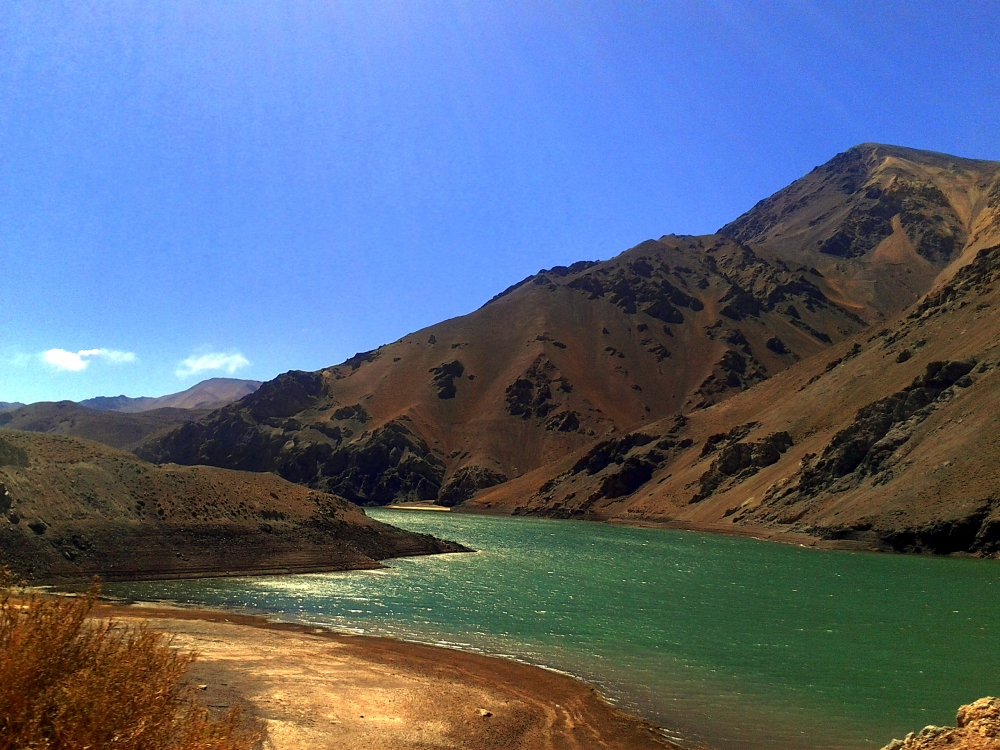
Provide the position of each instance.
(197, 364)
(76, 361)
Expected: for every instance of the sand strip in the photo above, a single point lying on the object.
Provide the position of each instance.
(319, 690)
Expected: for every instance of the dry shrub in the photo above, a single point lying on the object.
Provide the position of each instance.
(70, 683)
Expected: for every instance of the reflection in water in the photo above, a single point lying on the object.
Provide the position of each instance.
(731, 641)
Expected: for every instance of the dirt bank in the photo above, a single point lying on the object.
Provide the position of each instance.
(321, 690)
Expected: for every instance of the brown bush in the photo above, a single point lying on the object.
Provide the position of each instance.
(70, 683)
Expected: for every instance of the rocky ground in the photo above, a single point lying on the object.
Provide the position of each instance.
(977, 727)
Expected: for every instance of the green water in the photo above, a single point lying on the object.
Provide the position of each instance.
(733, 642)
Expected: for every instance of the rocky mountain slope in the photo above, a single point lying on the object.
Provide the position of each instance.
(208, 394)
(887, 441)
(70, 509)
(675, 382)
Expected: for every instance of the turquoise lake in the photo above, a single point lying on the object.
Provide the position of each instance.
(727, 641)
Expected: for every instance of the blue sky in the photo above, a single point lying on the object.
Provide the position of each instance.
(196, 189)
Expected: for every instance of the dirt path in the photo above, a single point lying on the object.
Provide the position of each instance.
(320, 690)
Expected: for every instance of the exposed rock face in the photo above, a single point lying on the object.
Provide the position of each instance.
(977, 727)
(445, 376)
(878, 430)
(466, 482)
(640, 285)
(71, 509)
(612, 469)
(740, 460)
(374, 467)
(536, 393)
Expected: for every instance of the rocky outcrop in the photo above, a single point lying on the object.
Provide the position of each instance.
(383, 466)
(536, 393)
(738, 461)
(877, 431)
(466, 482)
(977, 727)
(444, 378)
(641, 286)
(620, 466)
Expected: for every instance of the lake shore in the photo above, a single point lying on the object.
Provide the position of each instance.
(319, 688)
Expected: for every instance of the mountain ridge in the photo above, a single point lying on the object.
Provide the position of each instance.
(575, 357)
(207, 394)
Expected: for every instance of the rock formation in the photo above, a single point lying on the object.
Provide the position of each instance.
(977, 727)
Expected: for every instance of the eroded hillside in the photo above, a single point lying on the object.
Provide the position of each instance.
(592, 390)
(890, 441)
(71, 509)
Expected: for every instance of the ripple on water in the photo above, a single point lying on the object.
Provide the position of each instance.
(733, 641)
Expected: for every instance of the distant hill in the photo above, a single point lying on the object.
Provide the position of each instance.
(121, 430)
(10, 405)
(770, 378)
(123, 422)
(71, 509)
(208, 394)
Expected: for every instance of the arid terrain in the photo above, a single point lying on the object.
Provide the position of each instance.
(71, 509)
(208, 394)
(822, 367)
(320, 689)
(123, 422)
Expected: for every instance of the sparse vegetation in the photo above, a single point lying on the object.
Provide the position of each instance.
(69, 682)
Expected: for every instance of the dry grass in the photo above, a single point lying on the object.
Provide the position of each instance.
(70, 683)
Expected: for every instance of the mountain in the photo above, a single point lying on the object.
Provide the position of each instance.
(565, 357)
(887, 441)
(123, 422)
(610, 389)
(71, 509)
(10, 405)
(121, 430)
(208, 394)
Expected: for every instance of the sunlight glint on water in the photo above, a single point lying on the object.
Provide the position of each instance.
(731, 641)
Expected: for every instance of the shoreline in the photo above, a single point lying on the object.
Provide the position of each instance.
(760, 533)
(321, 688)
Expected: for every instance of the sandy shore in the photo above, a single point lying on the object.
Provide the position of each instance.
(320, 690)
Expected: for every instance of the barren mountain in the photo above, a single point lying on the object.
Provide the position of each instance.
(118, 429)
(208, 394)
(70, 509)
(593, 390)
(889, 440)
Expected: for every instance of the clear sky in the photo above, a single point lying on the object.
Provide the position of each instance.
(198, 189)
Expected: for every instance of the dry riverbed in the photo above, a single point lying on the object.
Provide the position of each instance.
(322, 690)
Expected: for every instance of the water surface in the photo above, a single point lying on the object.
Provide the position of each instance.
(730, 641)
